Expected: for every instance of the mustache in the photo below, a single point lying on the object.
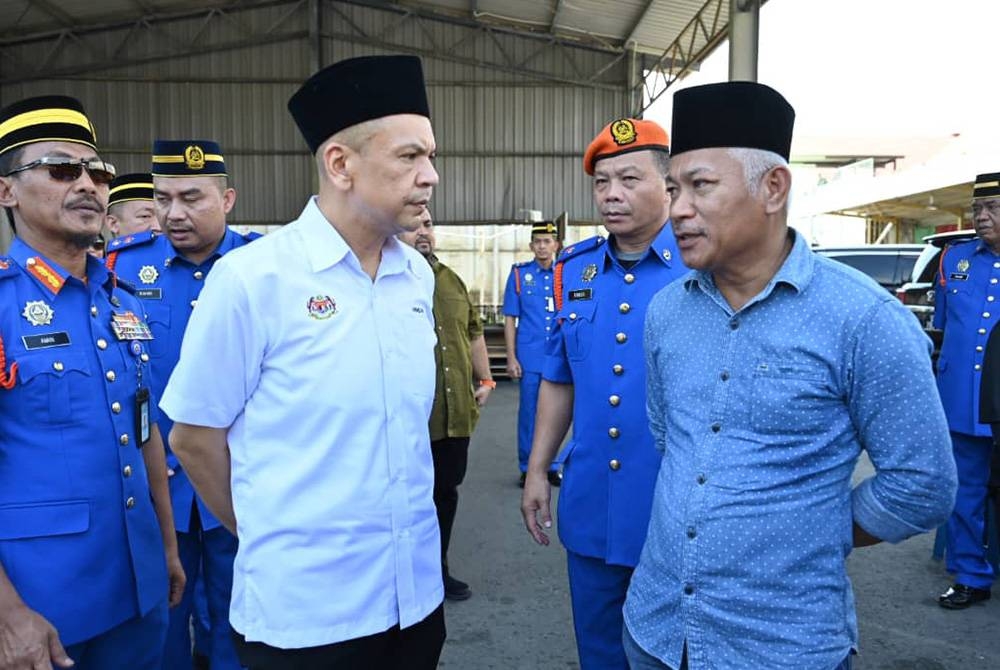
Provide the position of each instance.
(86, 201)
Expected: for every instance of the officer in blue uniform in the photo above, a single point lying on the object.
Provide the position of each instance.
(595, 377)
(130, 205)
(529, 313)
(967, 306)
(192, 198)
(88, 557)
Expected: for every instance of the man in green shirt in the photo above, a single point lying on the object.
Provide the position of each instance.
(464, 383)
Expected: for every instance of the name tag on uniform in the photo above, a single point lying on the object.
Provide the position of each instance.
(582, 294)
(45, 340)
(550, 304)
(149, 293)
(958, 276)
(142, 428)
(128, 326)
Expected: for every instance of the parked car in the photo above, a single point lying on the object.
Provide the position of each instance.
(891, 265)
(918, 293)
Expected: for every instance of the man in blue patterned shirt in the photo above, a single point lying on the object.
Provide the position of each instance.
(769, 370)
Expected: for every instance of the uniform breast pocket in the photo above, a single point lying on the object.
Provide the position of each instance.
(55, 384)
(159, 323)
(791, 399)
(578, 328)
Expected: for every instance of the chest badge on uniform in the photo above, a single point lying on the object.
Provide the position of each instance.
(38, 313)
(321, 307)
(963, 265)
(589, 272)
(128, 326)
(148, 274)
(529, 279)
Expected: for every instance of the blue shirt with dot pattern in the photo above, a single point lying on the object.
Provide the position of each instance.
(761, 414)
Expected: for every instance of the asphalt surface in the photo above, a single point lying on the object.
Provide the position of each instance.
(519, 614)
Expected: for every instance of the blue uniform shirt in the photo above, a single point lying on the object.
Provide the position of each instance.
(530, 298)
(610, 464)
(761, 415)
(79, 538)
(169, 286)
(966, 307)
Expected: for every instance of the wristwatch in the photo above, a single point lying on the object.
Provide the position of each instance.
(488, 382)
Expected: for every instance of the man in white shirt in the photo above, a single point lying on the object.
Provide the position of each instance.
(304, 387)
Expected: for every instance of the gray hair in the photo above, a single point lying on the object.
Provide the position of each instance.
(661, 159)
(756, 163)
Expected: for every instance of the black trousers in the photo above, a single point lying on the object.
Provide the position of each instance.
(415, 648)
(451, 460)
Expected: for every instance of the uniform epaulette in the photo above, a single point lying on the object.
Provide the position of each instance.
(7, 267)
(583, 245)
(126, 241)
(522, 264)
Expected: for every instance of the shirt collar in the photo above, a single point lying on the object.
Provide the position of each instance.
(50, 275)
(325, 247)
(663, 248)
(796, 271)
(226, 244)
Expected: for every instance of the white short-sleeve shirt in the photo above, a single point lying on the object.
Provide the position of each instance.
(325, 380)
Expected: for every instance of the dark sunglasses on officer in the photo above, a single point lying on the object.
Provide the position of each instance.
(66, 169)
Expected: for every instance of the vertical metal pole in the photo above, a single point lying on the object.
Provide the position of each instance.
(633, 99)
(496, 265)
(744, 25)
(316, 33)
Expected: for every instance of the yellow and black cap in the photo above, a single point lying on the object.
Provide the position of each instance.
(127, 187)
(544, 228)
(188, 158)
(732, 114)
(355, 90)
(49, 118)
(622, 136)
(986, 186)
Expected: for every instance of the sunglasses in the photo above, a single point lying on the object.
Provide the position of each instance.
(69, 169)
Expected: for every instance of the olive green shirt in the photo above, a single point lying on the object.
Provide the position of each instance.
(457, 323)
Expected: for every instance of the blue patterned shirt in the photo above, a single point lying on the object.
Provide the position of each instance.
(761, 414)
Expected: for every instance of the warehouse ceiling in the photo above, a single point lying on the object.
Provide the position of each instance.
(664, 39)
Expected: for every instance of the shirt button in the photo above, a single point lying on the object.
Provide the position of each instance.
(614, 464)
(127, 472)
(702, 479)
(624, 308)
(621, 338)
(977, 367)
(57, 366)
(102, 344)
(444, 348)
(979, 348)
(613, 432)
(986, 315)
(572, 315)
(130, 503)
(93, 310)
(617, 369)
(734, 324)
(691, 532)
(193, 303)
(116, 407)
(989, 298)
(199, 274)
(447, 369)
(716, 427)
(981, 331)
(724, 376)
(110, 375)
(629, 278)
(996, 265)
(993, 281)
(123, 440)
(614, 400)
(144, 358)
(688, 589)
(166, 263)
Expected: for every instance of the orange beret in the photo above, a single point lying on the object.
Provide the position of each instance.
(623, 136)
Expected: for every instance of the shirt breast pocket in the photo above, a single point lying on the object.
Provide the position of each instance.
(55, 385)
(159, 323)
(578, 328)
(791, 399)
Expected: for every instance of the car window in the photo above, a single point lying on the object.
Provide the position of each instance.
(880, 267)
(926, 266)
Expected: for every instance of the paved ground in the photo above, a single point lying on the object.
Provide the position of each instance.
(519, 616)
